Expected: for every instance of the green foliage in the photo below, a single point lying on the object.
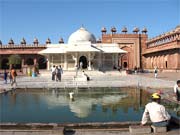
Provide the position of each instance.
(14, 59)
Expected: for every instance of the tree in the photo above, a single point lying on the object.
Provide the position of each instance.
(14, 60)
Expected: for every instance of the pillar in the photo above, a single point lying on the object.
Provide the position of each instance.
(48, 65)
(52, 60)
(65, 61)
(116, 60)
(113, 59)
(89, 61)
(61, 59)
(22, 63)
(35, 61)
(103, 59)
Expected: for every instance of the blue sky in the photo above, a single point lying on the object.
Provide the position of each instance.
(59, 18)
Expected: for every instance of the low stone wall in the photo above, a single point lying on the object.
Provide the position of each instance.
(51, 126)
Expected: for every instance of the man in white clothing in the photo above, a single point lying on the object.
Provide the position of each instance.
(53, 68)
(156, 112)
(177, 90)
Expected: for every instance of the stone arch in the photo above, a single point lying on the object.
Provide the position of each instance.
(158, 61)
(162, 61)
(127, 59)
(166, 61)
(5, 63)
(148, 62)
(42, 63)
(155, 61)
(84, 61)
(29, 61)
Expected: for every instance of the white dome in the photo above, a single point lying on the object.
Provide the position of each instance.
(81, 35)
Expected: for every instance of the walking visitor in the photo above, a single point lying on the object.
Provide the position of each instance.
(155, 72)
(53, 72)
(13, 75)
(60, 72)
(5, 76)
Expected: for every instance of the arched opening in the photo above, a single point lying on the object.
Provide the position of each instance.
(124, 61)
(83, 60)
(125, 64)
(29, 61)
(42, 63)
(166, 64)
(4, 64)
(128, 57)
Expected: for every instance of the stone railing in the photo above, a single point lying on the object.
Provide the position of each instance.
(21, 46)
(163, 39)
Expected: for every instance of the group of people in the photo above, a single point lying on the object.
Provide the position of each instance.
(12, 76)
(57, 72)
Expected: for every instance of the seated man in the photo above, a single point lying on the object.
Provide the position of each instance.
(157, 113)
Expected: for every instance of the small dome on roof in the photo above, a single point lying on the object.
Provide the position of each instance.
(103, 29)
(36, 41)
(61, 41)
(23, 41)
(48, 41)
(99, 40)
(144, 30)
(11, 41)
(113, 29)
(81, 35)
(136, 30)
(124, 29)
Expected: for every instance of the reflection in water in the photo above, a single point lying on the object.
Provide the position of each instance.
(81, 105)
(99, 105)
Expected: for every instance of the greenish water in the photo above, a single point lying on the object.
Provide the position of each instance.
(88, 105)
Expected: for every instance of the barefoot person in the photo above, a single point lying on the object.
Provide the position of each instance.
(13, 75)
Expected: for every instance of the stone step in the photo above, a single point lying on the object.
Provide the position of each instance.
(137, 129)
(157, 129)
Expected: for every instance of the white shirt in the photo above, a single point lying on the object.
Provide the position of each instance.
(156, 112)
(175, 88)
(53, 69)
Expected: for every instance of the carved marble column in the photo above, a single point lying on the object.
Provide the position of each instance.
(89, 61)
(65, 61)
(74, 57)
(100, 60)
(48, 62)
